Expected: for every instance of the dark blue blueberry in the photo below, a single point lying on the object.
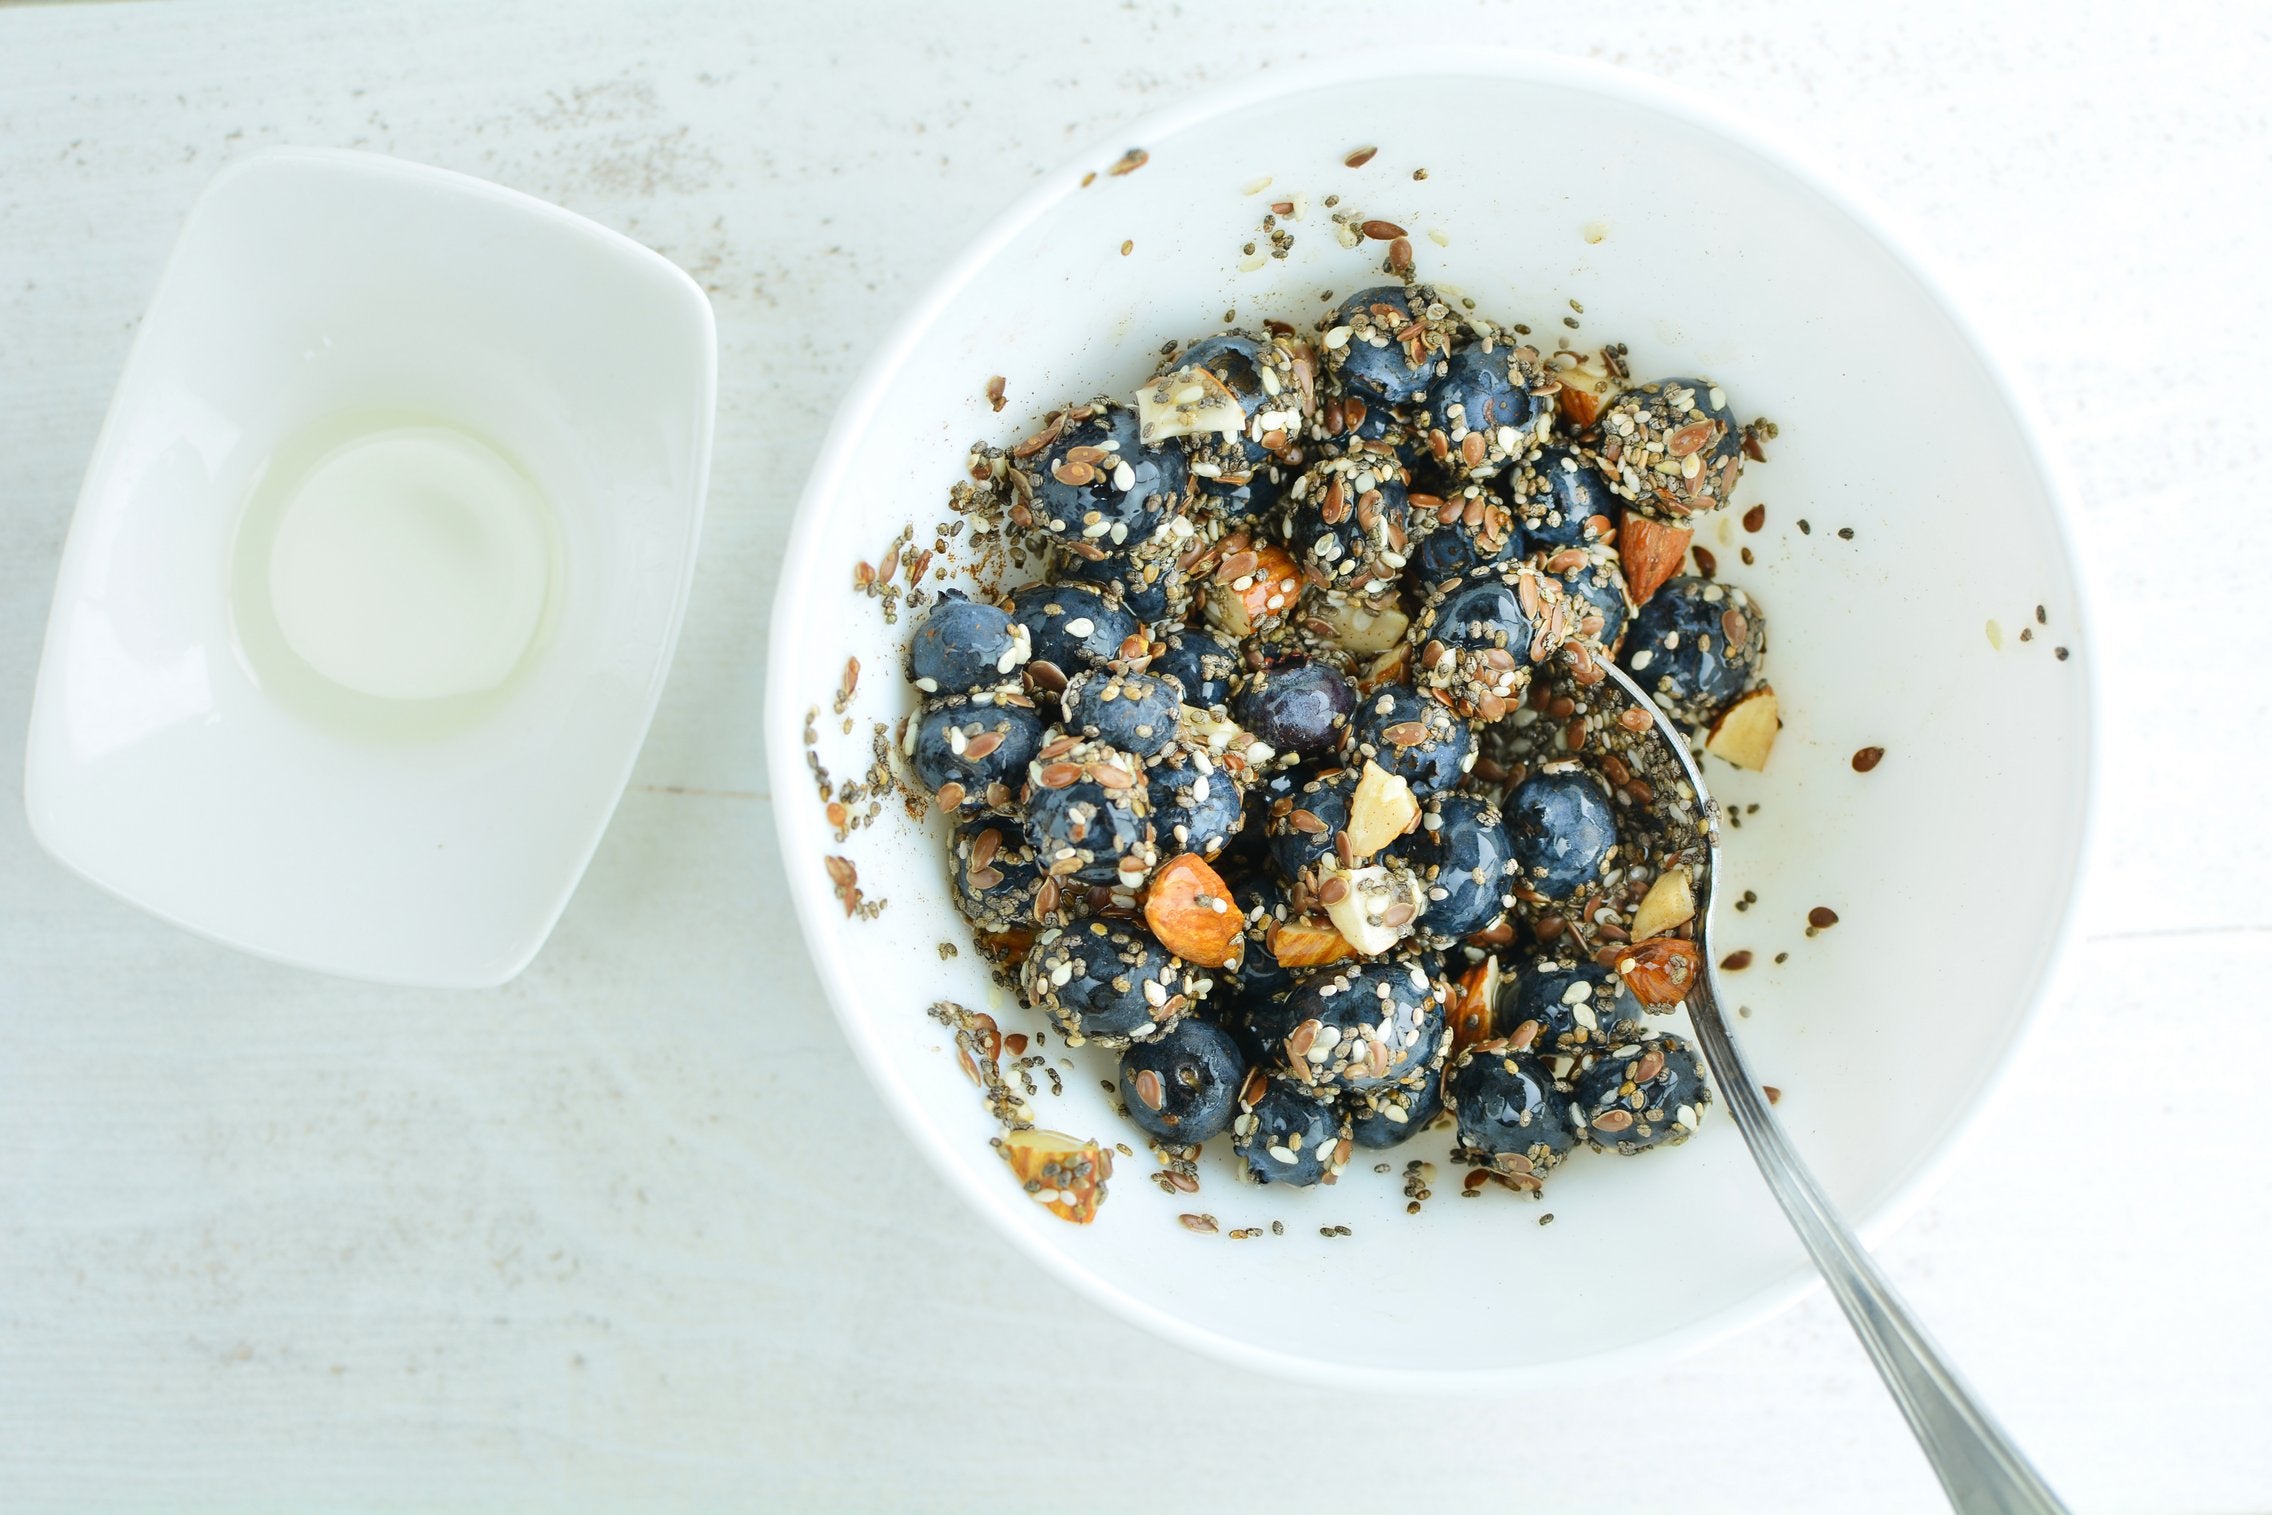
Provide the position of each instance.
(994, 873)
(1466, 861)
(1247, 1014)
(1287, 1135)
(1089, 818)
(1644, 1094)
(1596, 592)
(1184, 1087)
(1511, 1116)
(1412, 736)
(1261, 898)
(1346, 522)
(1475, 636)
(1671, 419)
(1483, 408)
(1301, 708)
(1695, 647)
(1471, 527)
(1196, 804)
(1239, 473)
(1151, 585)
(1098, 483)
(1134, 712)
(975, 748)
(1563, 830)
(1560, 1007)
(1562, 501)
(964, 644)
(1202, 661)
(1072, 626)
(1360, 1025)
(1301, 835)
(1384, 1118)
(1108, 982)
(1374, 358)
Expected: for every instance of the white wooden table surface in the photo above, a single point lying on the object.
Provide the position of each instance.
(271, 1241)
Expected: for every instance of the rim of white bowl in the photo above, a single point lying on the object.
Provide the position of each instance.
(797, 589)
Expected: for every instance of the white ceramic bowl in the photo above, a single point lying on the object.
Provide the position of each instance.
(1952, 866)
(179, 761)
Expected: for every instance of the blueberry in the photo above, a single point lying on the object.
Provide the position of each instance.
(1465, 858)
(1354, 1026)
(1384, 1118)
(972, 754)
(1346, 522)
(1413, 737)
(1682, 421)
(1302, 833)
(1477, 636)
(1239, 471)
(964, 644)
(1134, 712)
(1481, 414)
(1301, 709)
(1072, 626)
(1558, 1007)
(1471, 526)
(1090, 819)
(1108, 982)
(1150, 581)
(1374, 356)
(1644, 1094)
(1562, 501)
(1511, 1116)
(1183, 1087)
(1562, 830)
(1200, 660)
(1261, 898)
(1098, 483)
(1695, 647)
(1595, 592)
(994, 874)
(1197, 805)
(1287, 1135)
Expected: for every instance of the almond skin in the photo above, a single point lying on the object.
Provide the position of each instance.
(1660, 971)
(1308, 943)
(1181, 908)
(1650, 552)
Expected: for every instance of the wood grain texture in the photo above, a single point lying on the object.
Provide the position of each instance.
(634, 1232)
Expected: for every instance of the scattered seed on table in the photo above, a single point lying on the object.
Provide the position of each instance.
(1737, 961)
(1822, 917)
(1547, 1219)
(1357, 159)
(2062, 652)
(1774, 1095)
(1846, 533)
(1867, 758)
(1804, 529)
(2041, 619)
(1782, 957)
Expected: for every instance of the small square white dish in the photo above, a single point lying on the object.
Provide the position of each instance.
(270, 713)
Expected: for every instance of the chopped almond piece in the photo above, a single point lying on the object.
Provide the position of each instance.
(1381, 810)
(1650, 552)
(1308, 943)
(1063, 1172)
(1661, 971)
(1745, 732)
(1190, 910)
(1253, 588)
(1670, 901)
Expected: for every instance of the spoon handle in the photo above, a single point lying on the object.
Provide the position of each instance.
(1979, 1467)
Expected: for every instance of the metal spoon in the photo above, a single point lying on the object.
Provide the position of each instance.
(1979, 1467)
